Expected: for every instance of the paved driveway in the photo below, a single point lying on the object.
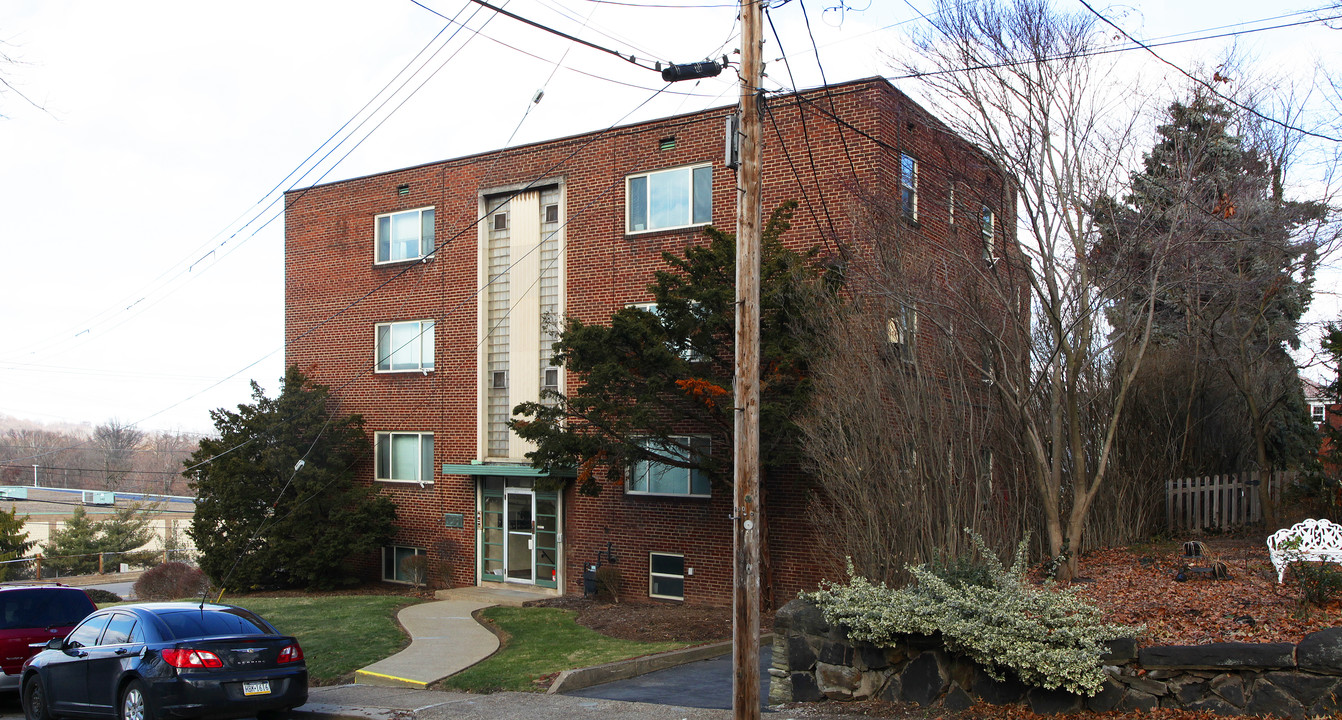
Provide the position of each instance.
(703, 684)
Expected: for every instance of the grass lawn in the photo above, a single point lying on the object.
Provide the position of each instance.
(339, 633)
(543, 641)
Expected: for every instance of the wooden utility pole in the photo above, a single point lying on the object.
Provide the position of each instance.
(746, 528)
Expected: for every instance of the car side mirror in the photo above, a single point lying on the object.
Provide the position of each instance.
(55, 644)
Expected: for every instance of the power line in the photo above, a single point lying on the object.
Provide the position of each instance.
(1129, 48)
(1204, 83)
(806, 139)
(95, 320)
(631, 59)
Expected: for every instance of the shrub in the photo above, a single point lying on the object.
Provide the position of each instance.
(608, 584)
(100, 596)
(961, 571)
(171, 581)
(1320, 582)
(1050, 639)
(446, 551)
(415, 568)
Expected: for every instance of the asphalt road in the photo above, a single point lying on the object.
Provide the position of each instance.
(703, 684)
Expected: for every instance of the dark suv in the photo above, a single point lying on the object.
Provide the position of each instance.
(35, 613)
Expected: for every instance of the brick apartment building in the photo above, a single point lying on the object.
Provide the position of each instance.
(422, 295)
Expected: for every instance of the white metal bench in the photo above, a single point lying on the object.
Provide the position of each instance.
(1319, 540)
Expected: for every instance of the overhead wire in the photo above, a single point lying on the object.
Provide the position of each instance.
(1211, 88)
(806, 140)
(1100, 51)
(540, 26)
(122, 307)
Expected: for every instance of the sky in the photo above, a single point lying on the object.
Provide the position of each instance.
(144, 144)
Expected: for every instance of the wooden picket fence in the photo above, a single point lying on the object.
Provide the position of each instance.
(1219, 502)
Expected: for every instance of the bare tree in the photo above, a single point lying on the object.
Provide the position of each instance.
(905, 437)
(1020, 81)
(163, 461)
(117, 443)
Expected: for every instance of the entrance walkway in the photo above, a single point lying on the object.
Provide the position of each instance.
(444, 638)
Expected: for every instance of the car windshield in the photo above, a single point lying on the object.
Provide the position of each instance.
(204, 622)
(43, 607)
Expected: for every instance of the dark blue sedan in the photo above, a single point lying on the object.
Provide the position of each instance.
(167, 660)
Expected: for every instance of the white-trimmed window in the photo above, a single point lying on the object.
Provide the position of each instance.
(647, 477)
(403, 457)
(406, 235)
(908, 186)
(901, 333)
(987, 228)
(666, 576)
(405, 346)
(393, 563)
(679, 197)
(1318, 413)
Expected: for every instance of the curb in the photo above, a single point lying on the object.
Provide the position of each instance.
(376, 678)
(570, 680)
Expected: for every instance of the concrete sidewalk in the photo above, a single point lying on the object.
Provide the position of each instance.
(444, 639)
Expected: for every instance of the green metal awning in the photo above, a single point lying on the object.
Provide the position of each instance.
(504, 470)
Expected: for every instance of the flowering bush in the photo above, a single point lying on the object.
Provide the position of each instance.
(1049, 638)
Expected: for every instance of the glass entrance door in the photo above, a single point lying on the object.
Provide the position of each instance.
(520, 538)
(519, 532)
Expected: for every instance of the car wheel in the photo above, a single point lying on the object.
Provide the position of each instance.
(35, 700)
(134, 703)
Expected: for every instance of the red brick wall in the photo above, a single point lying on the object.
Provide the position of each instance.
(334, 295)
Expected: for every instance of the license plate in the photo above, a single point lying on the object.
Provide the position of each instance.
(256, 688)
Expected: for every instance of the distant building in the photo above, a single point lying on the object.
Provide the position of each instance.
(420, 297)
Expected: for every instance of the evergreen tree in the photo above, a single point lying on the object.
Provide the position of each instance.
(1237, 266)
(14, 542)
(654, 375)
(73, 550)
(277, 504)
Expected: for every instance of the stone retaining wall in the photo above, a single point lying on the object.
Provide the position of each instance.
(813, 661)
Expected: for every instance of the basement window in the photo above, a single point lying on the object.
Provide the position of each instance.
(666, 576)
(393, 561)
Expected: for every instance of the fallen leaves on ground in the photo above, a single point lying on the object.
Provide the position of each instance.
(1137, 586)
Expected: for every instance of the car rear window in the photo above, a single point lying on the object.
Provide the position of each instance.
(43, 607)
(188, 624)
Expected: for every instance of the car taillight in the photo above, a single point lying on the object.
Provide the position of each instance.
(188, 658)
(293, 653)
